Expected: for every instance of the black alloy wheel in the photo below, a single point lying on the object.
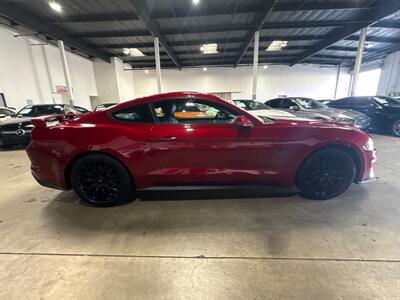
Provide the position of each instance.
(396, 128)
(326, 174)
(102, 181)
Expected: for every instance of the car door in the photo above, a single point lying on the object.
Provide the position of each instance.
(203, 146)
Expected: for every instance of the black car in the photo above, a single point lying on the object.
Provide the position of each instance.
(383, 111)
(17, 129)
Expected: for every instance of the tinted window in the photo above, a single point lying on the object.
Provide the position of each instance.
(385, 101)
(359, 101)
(137, 113)
(275, 103)
(192, 111)
(287, 103)
(250, 105)
(40, 110)
(310, 103)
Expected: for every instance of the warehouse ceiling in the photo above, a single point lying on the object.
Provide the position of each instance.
(314, 31)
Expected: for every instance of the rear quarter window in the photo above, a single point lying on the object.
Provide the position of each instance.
(136, 114)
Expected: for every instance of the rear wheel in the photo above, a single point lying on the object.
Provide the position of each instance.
(326, 174)
(102, 181)
(396, 128)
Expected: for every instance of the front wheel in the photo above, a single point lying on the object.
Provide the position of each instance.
(396, 128)
(102, 181)
(326, 174)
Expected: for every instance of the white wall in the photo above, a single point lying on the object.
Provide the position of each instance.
(389, 82)
(23, 72)
(113, 82)
(301, 80)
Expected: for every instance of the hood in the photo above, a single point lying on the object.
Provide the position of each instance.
(273, 113)
(16, 121)
(307, 123)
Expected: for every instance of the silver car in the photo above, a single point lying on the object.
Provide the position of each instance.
(313, 109)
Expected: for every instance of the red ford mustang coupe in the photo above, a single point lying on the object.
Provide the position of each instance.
(106, 156)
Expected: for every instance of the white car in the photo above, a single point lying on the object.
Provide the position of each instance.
(259, 109)
(6, 113)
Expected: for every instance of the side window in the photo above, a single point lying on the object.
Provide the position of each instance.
(287, 103)
(137, 113)
(276, 103)
(361, 101)
(5, 112)
(192, 111)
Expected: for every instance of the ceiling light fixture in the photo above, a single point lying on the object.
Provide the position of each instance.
(209, 48)
(55, 6)
(369, 45)
(195, 2)
(205, 69)
(276, 45)
(132, 52)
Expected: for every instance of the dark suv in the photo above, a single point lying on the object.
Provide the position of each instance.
(383, 111)
(17, 129)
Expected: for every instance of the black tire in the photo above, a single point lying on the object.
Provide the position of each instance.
(396, 128)
(102, 181)
(326, 174)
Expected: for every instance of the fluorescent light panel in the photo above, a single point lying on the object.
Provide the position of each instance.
(133, 52)
(55, 6)
(209, 48)
(276, 45)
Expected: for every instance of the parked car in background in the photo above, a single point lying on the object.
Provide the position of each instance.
(17, 129)
(383, 111)
(5, 113)
(261, 110)
(104, 106)
(81, 109)
(106, 157)
(313, 109)
(324, 101)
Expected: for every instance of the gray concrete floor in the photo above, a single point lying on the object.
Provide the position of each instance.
(241, 246)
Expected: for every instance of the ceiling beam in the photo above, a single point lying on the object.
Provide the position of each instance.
(386, 8)
(260, 20)
(22, 17)
(383, 51)
(94, 18)
(144, 15)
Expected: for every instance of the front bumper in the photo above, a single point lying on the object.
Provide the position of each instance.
(11, 139)
(367, 174)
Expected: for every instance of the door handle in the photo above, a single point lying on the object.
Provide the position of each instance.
(170, 138)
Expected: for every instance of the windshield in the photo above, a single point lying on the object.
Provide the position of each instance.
(42, 110)
(385, 101)
(250, 105)
(310, 103)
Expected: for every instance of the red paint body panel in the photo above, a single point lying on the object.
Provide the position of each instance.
(197, 154)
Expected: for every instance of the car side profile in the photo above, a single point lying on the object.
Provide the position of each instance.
(106, 156)
(383, 111)
(310, 108)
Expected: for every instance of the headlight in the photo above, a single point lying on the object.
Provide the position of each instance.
(344, 120)
(369, 146)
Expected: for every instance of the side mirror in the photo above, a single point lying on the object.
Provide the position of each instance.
(294, 107)
(2, 116)
(242, 121)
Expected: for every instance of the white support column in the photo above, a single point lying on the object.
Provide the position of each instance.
(158, 64)
(255, 63)
(337, 80)
(48, 73)
(357, 64)
(66, 71)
